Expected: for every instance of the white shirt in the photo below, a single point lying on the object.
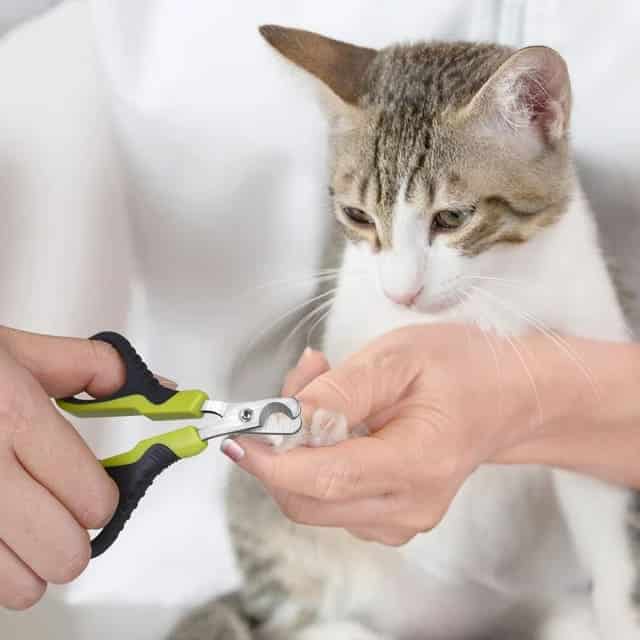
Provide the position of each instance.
(157, 160)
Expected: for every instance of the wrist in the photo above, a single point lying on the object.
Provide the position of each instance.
(588, 406)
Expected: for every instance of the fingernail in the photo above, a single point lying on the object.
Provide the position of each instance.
(308, 351)
(232, 449)
(166, 382)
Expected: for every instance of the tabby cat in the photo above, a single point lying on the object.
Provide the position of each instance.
(452, 177)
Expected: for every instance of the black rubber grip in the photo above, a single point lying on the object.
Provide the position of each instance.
(133, 480)
(138, 379)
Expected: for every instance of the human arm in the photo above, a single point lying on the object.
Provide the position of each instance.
(442, 400)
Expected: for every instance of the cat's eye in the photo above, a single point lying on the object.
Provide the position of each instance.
(449, 219)
(357, 215)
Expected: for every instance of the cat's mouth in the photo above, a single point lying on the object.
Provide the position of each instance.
(422, 303)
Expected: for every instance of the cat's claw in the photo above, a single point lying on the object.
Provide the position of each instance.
(326, 428)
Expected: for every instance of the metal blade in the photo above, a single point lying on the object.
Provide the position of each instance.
(251, 417)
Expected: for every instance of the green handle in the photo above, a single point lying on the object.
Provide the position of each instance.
(140, 394)
(182, 405)
(185, 442)
(135, 471)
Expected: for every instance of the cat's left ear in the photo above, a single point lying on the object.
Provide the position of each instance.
(529, 96)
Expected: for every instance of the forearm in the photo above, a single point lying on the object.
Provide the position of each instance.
(589, 397)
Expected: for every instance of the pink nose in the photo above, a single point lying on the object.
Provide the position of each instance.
(405, 299)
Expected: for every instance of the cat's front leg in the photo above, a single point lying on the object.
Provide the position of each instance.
(597, 515)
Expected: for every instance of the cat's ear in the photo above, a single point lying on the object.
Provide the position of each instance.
(529, 96)
(339, 66)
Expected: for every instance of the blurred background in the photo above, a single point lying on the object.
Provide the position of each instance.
(159, 166)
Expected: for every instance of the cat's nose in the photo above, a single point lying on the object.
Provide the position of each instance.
(406, 299)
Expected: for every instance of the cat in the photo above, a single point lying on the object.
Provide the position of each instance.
(453, 181)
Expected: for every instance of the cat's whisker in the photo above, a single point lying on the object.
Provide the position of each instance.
(487, 337)
(330, 274)
(317, 322)
(552, 335)
(523, 362)
(460, 297)
(549, 334)
(308, 316)
(510, 281)
(260, 336)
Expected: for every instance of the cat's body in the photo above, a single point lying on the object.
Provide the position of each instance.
(520, 549)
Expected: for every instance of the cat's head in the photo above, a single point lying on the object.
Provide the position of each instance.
(445, 157)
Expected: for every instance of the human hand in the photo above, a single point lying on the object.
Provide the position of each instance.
(431, 424)
(52, 488)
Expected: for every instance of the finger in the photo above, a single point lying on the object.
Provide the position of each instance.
(51, 450)
(20, 587)
(356, 468)
(347, 514)
(57, 552)
(310, 366)
(166, 382)
(370, 381)
(65, 366)
(391, 537)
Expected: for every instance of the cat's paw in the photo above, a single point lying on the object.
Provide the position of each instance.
(280, 422)
(325, 428)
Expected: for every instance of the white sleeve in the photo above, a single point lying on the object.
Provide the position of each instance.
(13, 12)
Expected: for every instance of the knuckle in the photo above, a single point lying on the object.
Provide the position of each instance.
(100, 351)
(101, 507)
(26, 595)
(362, 534)
(76, 561)
(439, 475)
(332, 479)
(291, 508)
(16, 405)
(330, 388)
(418, 516)
(438, 511)
(104, 357)
(395, 539)
(447, 468)
(420, 521)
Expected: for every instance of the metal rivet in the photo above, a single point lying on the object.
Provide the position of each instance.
(246, 415)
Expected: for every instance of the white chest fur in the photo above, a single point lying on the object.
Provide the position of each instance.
(504, 533)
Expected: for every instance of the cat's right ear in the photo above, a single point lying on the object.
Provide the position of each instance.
(338, 66)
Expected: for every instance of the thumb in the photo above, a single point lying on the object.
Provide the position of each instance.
(367, 383)
(65, 366)
(310, 365)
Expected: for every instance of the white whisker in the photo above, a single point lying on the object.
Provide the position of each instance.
(317, 322)
(298, 281)
(319, 309)
(551, 335)
(499, 280)
(522, 360)
(487, 337)
(256, 340)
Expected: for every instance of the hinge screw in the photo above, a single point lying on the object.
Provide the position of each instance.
(246, 415)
